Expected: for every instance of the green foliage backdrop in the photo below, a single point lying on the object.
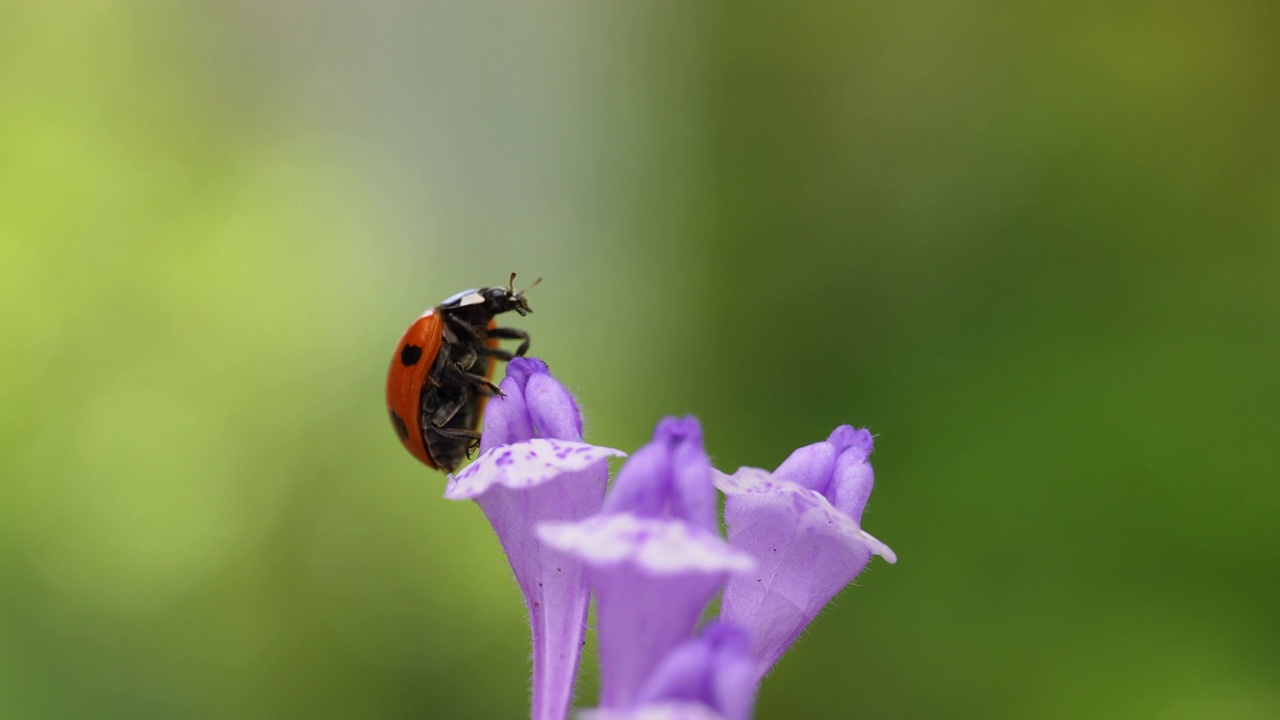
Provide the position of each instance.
(1035, 248)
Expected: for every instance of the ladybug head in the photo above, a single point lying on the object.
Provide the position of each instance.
(505, 299)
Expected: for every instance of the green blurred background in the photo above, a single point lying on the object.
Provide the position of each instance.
(1035, 248)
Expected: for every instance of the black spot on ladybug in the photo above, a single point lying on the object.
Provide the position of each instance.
(401, 429)
(410, 354)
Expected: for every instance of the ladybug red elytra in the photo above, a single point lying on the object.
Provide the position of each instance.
(441, 372)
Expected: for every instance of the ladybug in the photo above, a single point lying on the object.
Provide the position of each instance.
(441, 372)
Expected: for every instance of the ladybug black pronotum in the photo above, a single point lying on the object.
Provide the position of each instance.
(442, 370)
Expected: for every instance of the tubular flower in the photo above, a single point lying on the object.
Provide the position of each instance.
(535, 468)
(656, 557)
(710, 677)
(801, 523)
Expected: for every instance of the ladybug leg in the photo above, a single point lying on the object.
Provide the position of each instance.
(466, 328)
(444, 415)
(457, 371)
(512, 334)
(479, 382)
(502, 355)
(476, 383)
(456, 433)
(444, 412)
(460, 434)
(467, 359)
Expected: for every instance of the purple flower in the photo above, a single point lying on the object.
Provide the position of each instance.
(802, 525)
(534, 468)
(705, 678)
(656, 557)
(659, 711)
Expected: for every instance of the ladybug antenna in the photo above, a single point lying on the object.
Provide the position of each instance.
(511, 285)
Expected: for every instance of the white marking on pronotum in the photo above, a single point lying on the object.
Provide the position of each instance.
(464, 298)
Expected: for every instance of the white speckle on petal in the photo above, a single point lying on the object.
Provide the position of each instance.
(524, 465)
(809, 507)
(659, 545)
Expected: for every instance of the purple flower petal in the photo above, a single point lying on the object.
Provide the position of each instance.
(715, 669)
(525, 465)
(669, 477)
(657, 546)
(534, 404)
(534, 469)
(837, 468)
(711, 676)
(652, 578)
(655, 555)
(806, 547)
(674, 710)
